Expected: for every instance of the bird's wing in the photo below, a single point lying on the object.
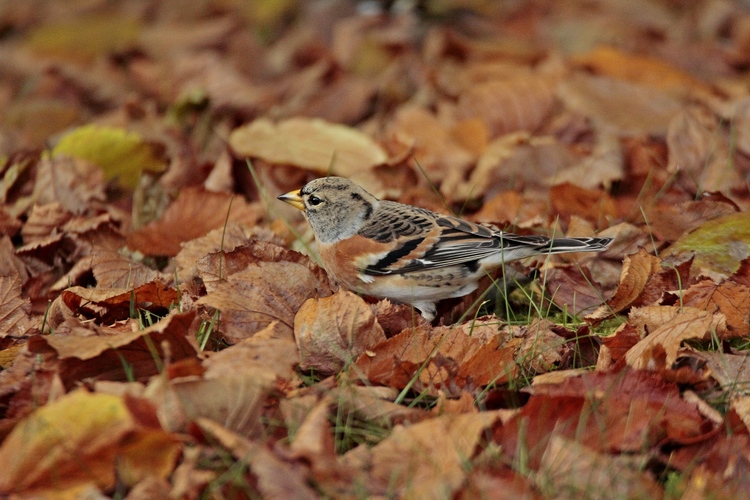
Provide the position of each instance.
(426, 240)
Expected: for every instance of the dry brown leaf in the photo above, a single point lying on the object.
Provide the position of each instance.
(724, 471)
(570, 470)
(541, 349)
(512, 161)
(267, 357)
(670, 221)
(235, 401)
(71, 182)
(182, 74)
(427, 459)
(591, 204)
(732, 372)
(741, 122)
(169, 38)
(101, 356)
(313, 439)
(520, 103)
(113, 270)
(616, 346)
(650, 71)
(332, 332)
(375, 404)
(601, 168)
(276, 478)
(224, 239)
(435, 149)
(699, 149)
(194, 213)
(264, 292)
(43, 221)
(487, 483)
(217, 264)
(450, 359)
(608, 412)
(395, 318)
(573, 289)
(637, 270)
(14, 308)
(619, 106)
(111, 304)
(730, 298)
(688, 323)
(308, 143)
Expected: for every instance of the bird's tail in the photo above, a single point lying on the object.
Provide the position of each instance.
(562, 245)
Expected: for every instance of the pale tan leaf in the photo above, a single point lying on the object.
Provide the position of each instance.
(507, 105)
(14, 309)
(113, 270)
(308, 143)
(689, 323)
(620, 106)
(426, 460)
(570, 470)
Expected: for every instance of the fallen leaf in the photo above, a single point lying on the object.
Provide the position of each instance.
(81, 39)
(266, 357)
(619, 106)
(110, 357)
(332, 332)
(592, 204)
(435, 149)
(72, 182)
(718, 245)
(573, 289)
(113, 270)
(108, 305)
(78, 438)
(14, 309)
(730, 298)
(607, 412)
(688, 323)
(576, 470)
(732, 372)
(650, 71)
(194, 213)
(121, 154)
(308, 143)
(251, 299)
(275, 477)
(508, 105)
(427, 459)
(637, 270)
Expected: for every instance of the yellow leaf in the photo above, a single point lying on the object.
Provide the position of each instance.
(121, 154)
(84, 39)
(65, 443)
(718, 245)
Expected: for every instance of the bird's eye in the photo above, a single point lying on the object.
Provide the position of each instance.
(314, 200)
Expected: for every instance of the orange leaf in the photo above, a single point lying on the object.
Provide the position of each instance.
(194, 213)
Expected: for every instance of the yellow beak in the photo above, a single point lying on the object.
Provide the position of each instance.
(293, 198)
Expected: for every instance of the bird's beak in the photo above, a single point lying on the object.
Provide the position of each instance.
(293, 198)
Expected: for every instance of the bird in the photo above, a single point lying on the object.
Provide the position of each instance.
(409, 254)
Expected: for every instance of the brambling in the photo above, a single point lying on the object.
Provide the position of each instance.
(408, 254)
